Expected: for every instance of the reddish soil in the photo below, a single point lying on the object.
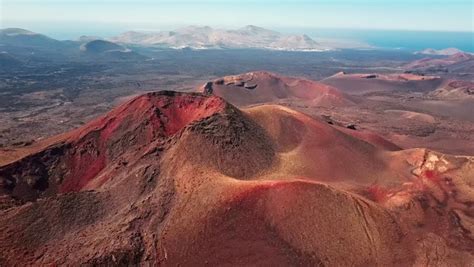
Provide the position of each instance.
(264, 87)
(454, 90)
(439, 62)
(188, 179)
(371, 138)
(357, 84)
(84, 153)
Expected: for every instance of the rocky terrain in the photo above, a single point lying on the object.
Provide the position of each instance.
(206, 37)
(49, 89)
(188, 179)
(362, 83)
(443, 64)
(409, 110)
(127, 154)
(264, 87)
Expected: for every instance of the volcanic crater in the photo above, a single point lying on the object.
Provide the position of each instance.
(188, 179)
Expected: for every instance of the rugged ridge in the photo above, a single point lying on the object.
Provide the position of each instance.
(205, 37)
(84, 153)
(263, 87)
(188, 179)
(433, 63)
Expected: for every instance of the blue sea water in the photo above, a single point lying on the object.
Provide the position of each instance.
(397, 39)
(389, 39)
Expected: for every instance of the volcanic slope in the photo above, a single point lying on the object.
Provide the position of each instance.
(455, 89)
(358, 84)
(265, 87)
(188, 179)
(429, 62)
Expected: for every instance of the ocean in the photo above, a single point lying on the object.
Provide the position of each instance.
(384, 39)
(396, 39)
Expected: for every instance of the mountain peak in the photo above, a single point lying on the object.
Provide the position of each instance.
(99, 46)
(257, 30)
(205, 37)
(87, 38)
(16, 31)
(253, 28)
(195, 28)
(460, 56)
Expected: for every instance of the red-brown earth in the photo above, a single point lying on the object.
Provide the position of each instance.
(188, 179)
(430, 62)
(409, 110)
(264, 87)
(358, 84)
(459, 90)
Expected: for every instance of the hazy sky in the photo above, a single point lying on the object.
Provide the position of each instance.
(101, 16)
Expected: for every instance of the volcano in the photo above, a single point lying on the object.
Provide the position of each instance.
(188, 179)
(455, 89)
(265, 87)
(363, 83)
(440, 62)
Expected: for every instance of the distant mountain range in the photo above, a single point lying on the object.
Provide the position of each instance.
(206, 37)
(20, 42)
(19, 45)
(193, 37)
